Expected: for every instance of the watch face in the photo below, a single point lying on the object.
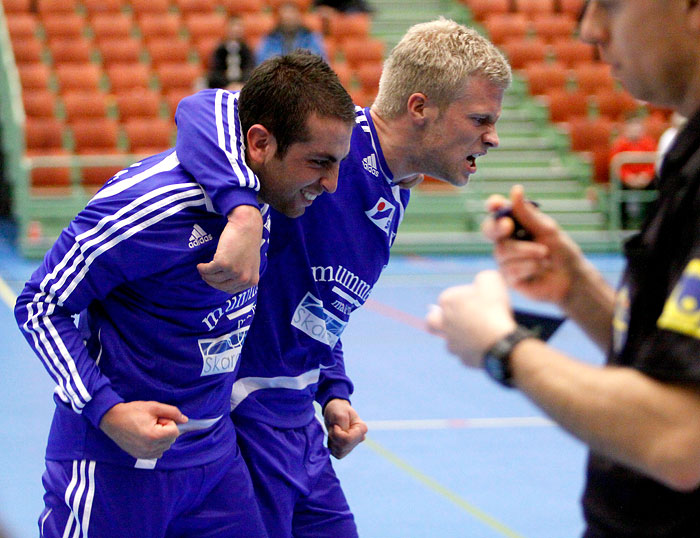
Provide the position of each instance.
(494, 367)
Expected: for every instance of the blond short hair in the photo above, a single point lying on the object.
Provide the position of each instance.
(437, 58)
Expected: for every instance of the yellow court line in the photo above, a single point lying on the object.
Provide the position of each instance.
(432, 484)
(7, 295)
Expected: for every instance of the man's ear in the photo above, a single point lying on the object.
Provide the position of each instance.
(260, 143)
(419, 108)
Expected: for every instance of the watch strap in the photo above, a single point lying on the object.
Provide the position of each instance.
(497, 358)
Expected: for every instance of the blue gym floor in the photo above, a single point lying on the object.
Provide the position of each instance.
(449, 454)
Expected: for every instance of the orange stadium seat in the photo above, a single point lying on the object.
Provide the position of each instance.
(127, 76)
(593, 77)
(168, 50)
(40, 103)
(63, 25)
(119, 50)
(545, 76)
(78, 76)
(565, 105)
(240, 7)
(138, 103)
(572, 7)
(521, 52)
(551, 27)
(588, 134)
(342, 69)
(34, 76)
(103, 6)
(178, 75)
(343, 25)
(56, 6)
(483, 8)
(96, 136)
(358, 50)
(44, 136)
(534, 8)
(81, 104)
(616, 105)
(206, 25)
(70, 50)
(150, 6)
(303, 5)
(503, 27)
(196, 6)
(368, 74)
(27, 49)
(573, 51)
(112, 25)
(159, 25)
(21, 25)
(149, 135)
(17, 6)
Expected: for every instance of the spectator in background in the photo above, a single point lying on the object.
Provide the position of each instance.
(232, 61)
(289, 34)
(635, 175)
(634, 138)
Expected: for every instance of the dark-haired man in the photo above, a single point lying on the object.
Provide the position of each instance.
(141, 444)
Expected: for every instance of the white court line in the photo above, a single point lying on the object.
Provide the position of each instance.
(459, 423)
(7, 295)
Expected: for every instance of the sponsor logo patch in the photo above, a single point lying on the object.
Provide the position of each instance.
(382, 214)
(220, 355)
(681, 312)
(312, 319)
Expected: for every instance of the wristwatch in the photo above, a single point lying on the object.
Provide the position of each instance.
(497, 358)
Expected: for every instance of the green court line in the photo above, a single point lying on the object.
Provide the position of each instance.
(435, 486)
(7, 295)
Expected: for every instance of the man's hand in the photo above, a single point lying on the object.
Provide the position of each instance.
(345, 428)
(474, 317)
(543, 269)
(145, 430)
(236, 263)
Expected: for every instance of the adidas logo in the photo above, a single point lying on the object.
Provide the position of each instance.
(199, 236)
(370, 164)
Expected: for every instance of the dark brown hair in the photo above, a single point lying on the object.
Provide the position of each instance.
(283, 91)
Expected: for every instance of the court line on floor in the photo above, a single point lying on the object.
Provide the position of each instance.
(7, 295)
(458, 423)
(438, 488)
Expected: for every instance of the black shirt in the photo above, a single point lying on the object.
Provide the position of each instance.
(656, 331)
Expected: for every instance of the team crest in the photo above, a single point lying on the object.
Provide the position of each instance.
(681, 312)
(382, 214)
